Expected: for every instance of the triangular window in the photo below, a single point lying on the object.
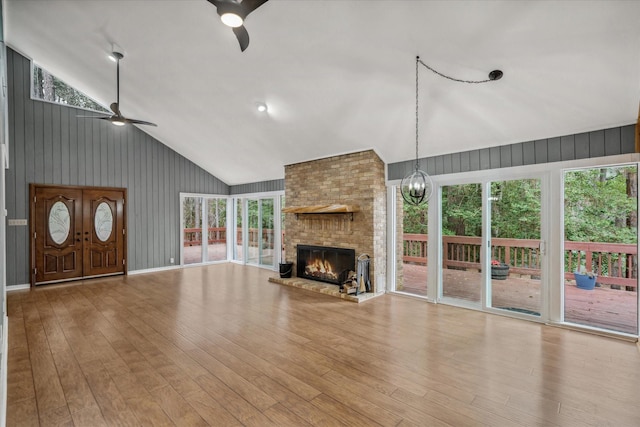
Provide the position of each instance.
(47, 87)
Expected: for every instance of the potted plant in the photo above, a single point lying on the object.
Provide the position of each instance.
(499, 270)
(585, 279)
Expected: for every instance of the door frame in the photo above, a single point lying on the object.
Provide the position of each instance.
(32, 227)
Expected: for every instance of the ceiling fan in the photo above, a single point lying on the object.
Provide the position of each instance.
(233, 13)
(117, 118)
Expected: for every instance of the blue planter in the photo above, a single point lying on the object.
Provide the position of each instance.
(585, 282)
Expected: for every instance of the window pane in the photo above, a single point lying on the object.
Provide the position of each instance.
(411, 269)
(47, 87)
(461, 241)
(192, 229)
(601, 248)
(217, 217)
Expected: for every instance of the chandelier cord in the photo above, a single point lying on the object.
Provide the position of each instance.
(417, 161)
(416, 187)
(449, 77)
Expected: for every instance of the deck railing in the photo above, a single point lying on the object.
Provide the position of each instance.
(613, 263)
(193, 236)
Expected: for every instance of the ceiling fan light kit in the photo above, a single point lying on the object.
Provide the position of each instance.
(233, 14)
(416, 187)
(232, 20)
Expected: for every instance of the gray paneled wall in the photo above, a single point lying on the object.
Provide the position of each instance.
(49, 145)
(257, 187)
(607, 142)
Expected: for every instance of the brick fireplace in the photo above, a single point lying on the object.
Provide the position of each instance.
(356, 179)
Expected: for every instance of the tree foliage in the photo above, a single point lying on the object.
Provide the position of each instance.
(192, 212)
(49, 88)
(600, 206)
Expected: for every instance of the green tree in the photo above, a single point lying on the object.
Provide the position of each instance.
(600, 205)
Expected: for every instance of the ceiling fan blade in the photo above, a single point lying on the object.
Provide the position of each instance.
(93, 117)
(115, 109)
(243, 37)
(140, 122)
(250, 5)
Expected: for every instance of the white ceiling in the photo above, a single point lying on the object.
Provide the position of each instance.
(339, 76)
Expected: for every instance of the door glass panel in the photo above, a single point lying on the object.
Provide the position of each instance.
(103, 221)
(59, 223)
(253, 228)
(217, 233)
(601, 248)
(267, 224)
(411, 270)
(461, 241)
(237, 247)
(515, 246)
(192, 229)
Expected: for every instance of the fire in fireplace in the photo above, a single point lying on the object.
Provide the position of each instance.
(325, 264)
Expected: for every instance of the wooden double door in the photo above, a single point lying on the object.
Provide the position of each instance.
(76, 232)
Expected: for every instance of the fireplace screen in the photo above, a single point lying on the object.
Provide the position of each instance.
(331, 265)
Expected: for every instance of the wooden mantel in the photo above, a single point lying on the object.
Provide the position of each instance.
(323, 209)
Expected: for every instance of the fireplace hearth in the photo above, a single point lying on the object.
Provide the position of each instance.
(325, 264)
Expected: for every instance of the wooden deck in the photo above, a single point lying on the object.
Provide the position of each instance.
(601, 308)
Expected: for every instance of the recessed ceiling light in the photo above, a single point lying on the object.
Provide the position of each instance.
(262, 107)
(115, 56)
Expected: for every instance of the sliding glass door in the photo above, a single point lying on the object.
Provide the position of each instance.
(253, 231)
(491, 240)
(257, 230)
(515, 258)
(238, 247)
(411, 270)
(192, 230)
(217, 234)
(267, 232)
(461, 229)
(202, 244)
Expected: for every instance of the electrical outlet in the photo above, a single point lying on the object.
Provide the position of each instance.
(171, 260)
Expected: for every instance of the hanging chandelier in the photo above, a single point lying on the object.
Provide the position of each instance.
(416, 187)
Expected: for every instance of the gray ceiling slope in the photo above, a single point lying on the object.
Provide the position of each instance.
(339, 76)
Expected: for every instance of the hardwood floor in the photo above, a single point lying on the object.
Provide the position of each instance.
(220, 345)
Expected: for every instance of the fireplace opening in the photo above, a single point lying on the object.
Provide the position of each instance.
(325, 264)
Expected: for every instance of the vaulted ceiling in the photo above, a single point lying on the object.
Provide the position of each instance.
(339, 76)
